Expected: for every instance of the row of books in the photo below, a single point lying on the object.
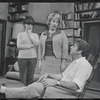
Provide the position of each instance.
(94, 14)
(68, 15)
(87, 6)
(70, 24)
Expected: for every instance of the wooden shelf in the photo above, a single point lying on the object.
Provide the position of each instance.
(16, 20)
(19, 12)
(89, 10)
(17, 3)
(68, 28)
(70, 36)
(69, 19)
(77, 36)
(88, 19)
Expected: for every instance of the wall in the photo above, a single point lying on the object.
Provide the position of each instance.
(39, 11)
(3, 15)
(3, 10)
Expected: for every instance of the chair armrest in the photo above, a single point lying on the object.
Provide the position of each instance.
(75, 93)
(10, 67)
(94, 89)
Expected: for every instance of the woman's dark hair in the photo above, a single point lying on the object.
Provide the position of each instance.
(83, 46)
(28, 20)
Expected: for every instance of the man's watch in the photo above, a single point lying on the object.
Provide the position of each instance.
(58, 83)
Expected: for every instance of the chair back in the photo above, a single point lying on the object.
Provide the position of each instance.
(94, 61)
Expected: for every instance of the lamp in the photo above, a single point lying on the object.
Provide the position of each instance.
(17, 28)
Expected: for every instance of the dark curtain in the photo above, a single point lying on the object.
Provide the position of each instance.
(2, 46)
(92, 36)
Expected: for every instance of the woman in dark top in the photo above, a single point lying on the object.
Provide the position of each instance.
(53, 48)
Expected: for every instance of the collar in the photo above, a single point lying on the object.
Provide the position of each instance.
(57, 32)
(79, 59)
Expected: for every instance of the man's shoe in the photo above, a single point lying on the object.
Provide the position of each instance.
(2, 96)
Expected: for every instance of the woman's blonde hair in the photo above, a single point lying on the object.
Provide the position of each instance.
(51, 16)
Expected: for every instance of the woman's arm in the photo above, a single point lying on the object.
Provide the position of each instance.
(55, 76)
(64, 51)
(64, 46)
(63, 65)
(20, 45)
(34, 38)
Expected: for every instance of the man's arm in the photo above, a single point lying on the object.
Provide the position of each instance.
(50, 75)
(68, 85)
(55, 76)
(20, 45)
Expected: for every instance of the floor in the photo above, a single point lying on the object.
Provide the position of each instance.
(91, 93)
(88, 94)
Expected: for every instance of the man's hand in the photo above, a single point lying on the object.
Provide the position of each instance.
(43, 77)
(47, 82)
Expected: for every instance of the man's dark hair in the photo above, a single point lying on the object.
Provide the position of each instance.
(82, 45)
(28, 20)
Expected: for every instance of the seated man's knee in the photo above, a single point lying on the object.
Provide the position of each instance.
(35, 89)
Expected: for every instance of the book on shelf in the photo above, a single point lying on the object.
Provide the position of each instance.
(94, 5)
(69, 32)
(65, 24)
(80, 7)
(95, 14)
(90, 5)
(97, 5)
(86, 6)
(75, 32)
(76, 24)
(77, 16)
(76, 7)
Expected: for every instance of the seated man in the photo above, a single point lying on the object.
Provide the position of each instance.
(73, 78)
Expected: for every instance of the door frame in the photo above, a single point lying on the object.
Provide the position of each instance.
(84, 32)
(2, 68)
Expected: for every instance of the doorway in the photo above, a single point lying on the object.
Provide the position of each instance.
(2, 45)
(92, 36)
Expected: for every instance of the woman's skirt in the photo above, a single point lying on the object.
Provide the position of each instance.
(50, 64)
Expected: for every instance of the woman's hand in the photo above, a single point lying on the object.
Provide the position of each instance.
(48, 82)
(63, 67)
(43, 77)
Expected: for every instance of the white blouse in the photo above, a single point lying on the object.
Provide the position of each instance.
(25, 43)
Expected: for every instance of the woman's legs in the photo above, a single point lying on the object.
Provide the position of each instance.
(30, 91)
(51, 65)
(23, 63)
(31, 69)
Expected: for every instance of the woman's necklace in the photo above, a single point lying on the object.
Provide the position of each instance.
(51, 32)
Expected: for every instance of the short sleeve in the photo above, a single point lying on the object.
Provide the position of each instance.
(82, 74)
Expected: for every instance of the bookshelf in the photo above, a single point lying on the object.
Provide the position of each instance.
(17, 11)
(68, 26)
(87, 11)
(16, 14)
(71, 27)
(84, 12)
